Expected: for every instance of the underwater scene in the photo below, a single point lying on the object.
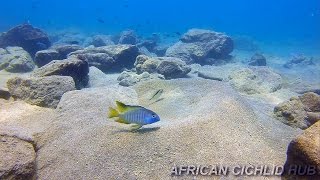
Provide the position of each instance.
(159, 89)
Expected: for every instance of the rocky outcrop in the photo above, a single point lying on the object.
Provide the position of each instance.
(131, 78)
(300, 112)
(256, 80)
(304, 151)
(197, 45)
(16, 60)
(17, 159)
(57, 52)
(109, 58)
(26, 36)
(258, 60)
(41, 91)
(76, 68)
(299, 60)
(169, 67)
(101, 40)
(128, 37)
(4, 94)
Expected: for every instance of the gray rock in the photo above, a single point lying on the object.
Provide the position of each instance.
(99, 79)
(76, 68)
(160, 50)
(256, 80)
(197, 45)
(170, 67)
(4, 94)
(17, 159)
(66, 49)
(173, 68)
(45, 56)
(41, 91)
(146, 64)
(258, 60)
(299, 60)
(131, 78)
(128, 37)
(16, 60)
(101, 40)
(143, 50)
(109, 58)
(29, 38)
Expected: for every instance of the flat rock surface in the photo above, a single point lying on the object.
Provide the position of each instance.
(205, 123)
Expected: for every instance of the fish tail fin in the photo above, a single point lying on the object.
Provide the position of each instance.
(113, 113)
(121, 106)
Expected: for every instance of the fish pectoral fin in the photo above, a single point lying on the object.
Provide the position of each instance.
(135, 127)
(120, 120)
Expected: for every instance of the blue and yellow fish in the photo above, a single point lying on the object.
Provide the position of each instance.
(136, 115)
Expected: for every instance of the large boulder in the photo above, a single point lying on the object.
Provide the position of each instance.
(197, 45)
(41, 91)
(101, 40)
(304, 151)
(299, 60)
(57, 52)
(99, 79)
(128, 37)
(16, 60)
(76, 68)
(255, 80)
(109, 58)
(26, 36)
(300, 112)
(17, 159)
(170, 67)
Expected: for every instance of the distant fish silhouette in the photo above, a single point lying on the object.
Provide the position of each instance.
(178, 33)
(156, 95)
(100, 20)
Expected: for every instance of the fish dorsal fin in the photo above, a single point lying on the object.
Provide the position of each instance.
(122, 107)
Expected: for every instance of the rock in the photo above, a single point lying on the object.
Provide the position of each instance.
(311, 101)
(256, 80)
(146, 64)
(301, 112)
(29, 38)
(299, 60)
(101, 40)
(168, 66)
(45, 56)
(4, 94)
(64, 50)
(76, 68)
(258, 60)
(292, 113)
(145, 51)
(128, 37)
(149, 44)
(209, 76)
(99, 79)
(16, 60)
(160, 50)
(130, 78)
(304, 151)
(17, 159)
(67, 37)
(40, 91)
(197, 45)
(173, 68)
(109, 58)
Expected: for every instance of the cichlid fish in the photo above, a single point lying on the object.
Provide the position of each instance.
(133, 115)
(157, 94)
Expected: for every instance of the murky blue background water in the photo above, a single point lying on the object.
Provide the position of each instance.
(274, 21)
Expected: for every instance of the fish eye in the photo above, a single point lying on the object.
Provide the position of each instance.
(153, 115)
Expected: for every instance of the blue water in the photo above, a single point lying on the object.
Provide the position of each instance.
(272, 21)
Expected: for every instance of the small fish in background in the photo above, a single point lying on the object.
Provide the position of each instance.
(137, 115)
(156, 95)
(100, 20)
(178, 33)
